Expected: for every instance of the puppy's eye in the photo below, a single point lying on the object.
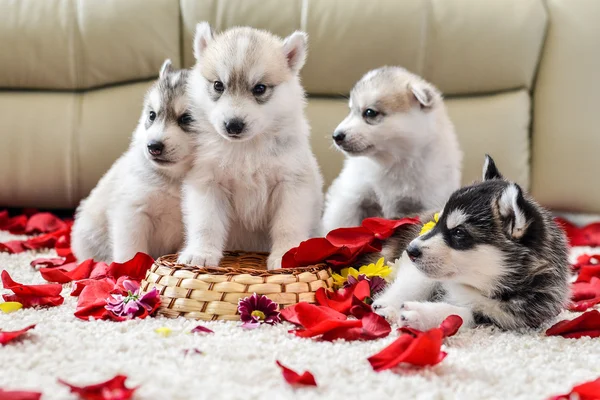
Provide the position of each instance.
(152, 116)
(259, 89)
(370, 113)
(219, 87)
(185, 119)
(459, 233)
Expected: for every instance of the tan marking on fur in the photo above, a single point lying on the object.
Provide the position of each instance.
(394, 103)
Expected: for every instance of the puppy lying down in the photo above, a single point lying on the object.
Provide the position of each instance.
(495, 256)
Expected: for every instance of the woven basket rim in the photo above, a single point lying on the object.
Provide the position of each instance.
(170, 261)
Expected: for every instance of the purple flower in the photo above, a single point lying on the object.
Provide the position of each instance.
(133, 305)
(376, 283)
(258, 309)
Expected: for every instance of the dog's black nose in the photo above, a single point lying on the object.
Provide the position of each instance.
(156, 148)
(413, 252)
(339, 137)
(235, 126)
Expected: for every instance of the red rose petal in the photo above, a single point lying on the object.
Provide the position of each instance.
(113, 389)
(19, 395)
(585, 391)
(587, 272)
(48, 262)
(43, 223)
(293, 378)
(92, 299)
(69, 272)
(359, 308)
(290, 313)
(6, 337)
(15, 225)
(384, 228)
(201, 329)
(32, 295)
(588, 235)
(135, 268)
(451, 325)
(375, 326)
(422, 350)
(585, 295)
(350, 237)
(587, 324)
(13, 247)
(341, 300)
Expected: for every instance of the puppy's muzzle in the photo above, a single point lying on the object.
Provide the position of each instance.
(339, 136)
(235, 127)
(156, 148)
(413, 252)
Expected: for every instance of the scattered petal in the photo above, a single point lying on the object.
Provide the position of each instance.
(68, 272)
(6, 336)
(10, 306)
(192, 351)
(19, 395)
(341, 300)
(32, 295)
(585, 295)
(201, 329)
(293, 378)
(250, 325)
(451, 325)
(135, 268)
(585, 391)
(48, 262)
(92, 300)
(423, 350)
(44, 223)
(588, 235)
(113, 389)
(587, 324)
(164, 331)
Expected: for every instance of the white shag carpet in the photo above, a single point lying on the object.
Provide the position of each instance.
(240, 364)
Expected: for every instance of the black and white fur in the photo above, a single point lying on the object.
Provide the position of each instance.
(495, 256)
(403, 155)
(136, 205)
(256, 184)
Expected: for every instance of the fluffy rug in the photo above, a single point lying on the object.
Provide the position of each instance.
(240, 364)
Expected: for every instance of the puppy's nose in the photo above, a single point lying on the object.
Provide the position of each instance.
(156, 148)
(413, 252)
(235, 126)
(339, 136)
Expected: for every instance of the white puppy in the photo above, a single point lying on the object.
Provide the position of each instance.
(136, 205)
(403, 154)
(256, 185)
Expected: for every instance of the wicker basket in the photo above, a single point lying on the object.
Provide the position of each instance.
(212, 293)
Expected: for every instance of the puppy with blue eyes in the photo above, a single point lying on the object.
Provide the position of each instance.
(495, 256)
(135, 207)
(256, 185)
(403, 156)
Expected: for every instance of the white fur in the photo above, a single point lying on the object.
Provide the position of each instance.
(413, 154)
(455, 218)
(258, 193)
(508, 206)
(136, 205)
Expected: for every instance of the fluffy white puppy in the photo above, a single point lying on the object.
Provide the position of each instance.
(136, 205)
(255, 184)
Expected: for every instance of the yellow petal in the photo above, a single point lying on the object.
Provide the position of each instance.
(338, 280)
(379, 263)
(344, 273)
(10, 306)
(163, 331)
(353, 272)
(436, 217)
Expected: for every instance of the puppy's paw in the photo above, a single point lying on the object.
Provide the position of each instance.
(274, 262)
(415, 315)
(201, 259)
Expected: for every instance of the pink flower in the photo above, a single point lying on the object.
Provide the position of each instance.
(258, 309)
(133, 304)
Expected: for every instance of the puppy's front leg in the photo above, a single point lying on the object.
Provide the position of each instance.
(130, 233)
(206, 211)
(428, 315)
(410, 285)
(295, 217)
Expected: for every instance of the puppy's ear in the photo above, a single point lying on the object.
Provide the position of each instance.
(490, 171)
(166, 68)
(202, 38)
(421, 93)
(513, 213)
(294, 48)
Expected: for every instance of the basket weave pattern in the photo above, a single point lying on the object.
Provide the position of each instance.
(212, 293)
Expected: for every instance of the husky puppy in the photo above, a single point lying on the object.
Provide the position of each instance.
(403, 154)
(258, 187)
(495, 256)
(136, 205)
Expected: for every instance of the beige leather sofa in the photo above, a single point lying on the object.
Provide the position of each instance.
(521, 78)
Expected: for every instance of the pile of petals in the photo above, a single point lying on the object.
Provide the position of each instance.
(588, 235)
(342, 246)
(587, 266)
(113, 389)
(585, 391)
(415, 347)
(329, 319)
(587, 324)
(53, 232)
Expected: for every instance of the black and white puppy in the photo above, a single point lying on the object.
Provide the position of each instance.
(495, 256)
